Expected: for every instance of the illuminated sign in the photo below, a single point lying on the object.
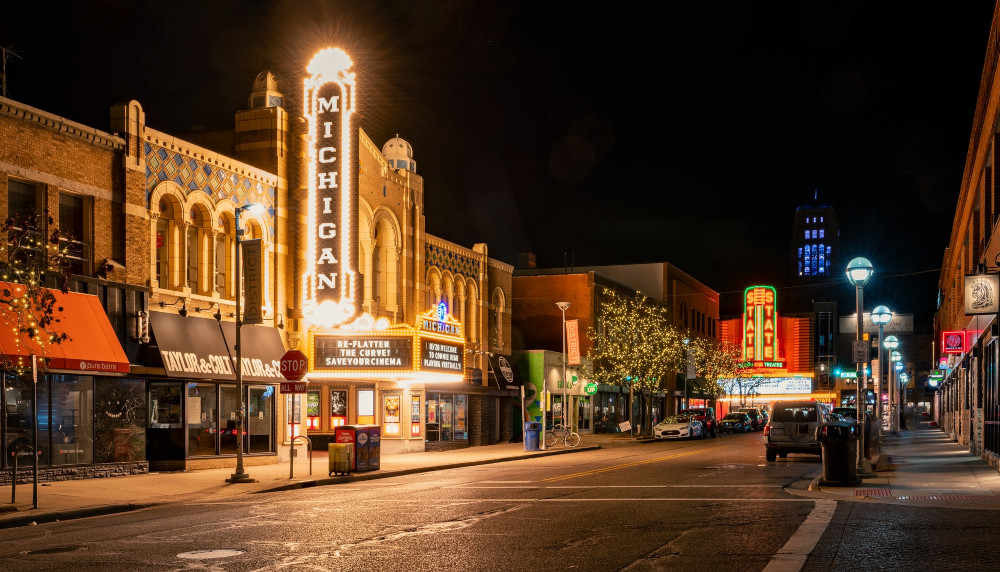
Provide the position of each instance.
(953, 342)
(438, 321)
(332, 283)
(382, 353)
(773, 385)
(760, 325)
(440, 356)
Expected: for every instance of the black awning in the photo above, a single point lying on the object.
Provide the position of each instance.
(504, 373)
(203, 348)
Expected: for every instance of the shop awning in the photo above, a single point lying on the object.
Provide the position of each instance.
(92, 345)
(504, 373)
(204, 348)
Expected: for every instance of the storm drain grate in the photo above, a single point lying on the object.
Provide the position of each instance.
(872, 492)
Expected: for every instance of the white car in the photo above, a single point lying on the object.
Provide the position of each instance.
(679, 427)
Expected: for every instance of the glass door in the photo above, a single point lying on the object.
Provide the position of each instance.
(260, 419)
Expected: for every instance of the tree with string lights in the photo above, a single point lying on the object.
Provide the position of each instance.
(634, 345)
(720, 363)
(30, 258)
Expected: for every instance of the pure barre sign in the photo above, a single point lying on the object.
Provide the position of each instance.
(331, 284)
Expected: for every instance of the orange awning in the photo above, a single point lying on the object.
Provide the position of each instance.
(92, 346)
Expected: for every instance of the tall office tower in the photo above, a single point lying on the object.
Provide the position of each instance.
(815, 244)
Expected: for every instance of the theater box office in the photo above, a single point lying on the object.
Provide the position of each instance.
(89, 412)
(371, 372)
(193, 401)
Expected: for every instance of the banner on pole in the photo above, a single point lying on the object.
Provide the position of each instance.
(573, 341)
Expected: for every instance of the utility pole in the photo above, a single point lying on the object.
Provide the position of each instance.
(4, 54)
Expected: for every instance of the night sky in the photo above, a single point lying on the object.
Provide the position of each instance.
(595, 132)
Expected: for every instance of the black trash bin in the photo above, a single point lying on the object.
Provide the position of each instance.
(840, 453)
(532, 430)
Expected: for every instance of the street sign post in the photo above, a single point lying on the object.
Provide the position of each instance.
(294, 365)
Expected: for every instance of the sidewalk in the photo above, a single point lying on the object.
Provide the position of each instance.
(65, 500)
(923, 464)
(917, 465)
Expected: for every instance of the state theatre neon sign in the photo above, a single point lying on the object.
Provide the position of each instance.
(760, 327)
(331, 283)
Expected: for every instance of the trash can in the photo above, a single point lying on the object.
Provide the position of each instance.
(839, 442)
(341, 458)
(532, 429)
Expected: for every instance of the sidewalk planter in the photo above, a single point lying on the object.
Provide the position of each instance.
(839, 442)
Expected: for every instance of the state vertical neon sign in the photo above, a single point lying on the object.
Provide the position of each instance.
(760, 324)
(331, 283)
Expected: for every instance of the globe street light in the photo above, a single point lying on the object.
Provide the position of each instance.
(881, 316)
(891, 343)
(565, 410)
(240, 476)
(859, 271)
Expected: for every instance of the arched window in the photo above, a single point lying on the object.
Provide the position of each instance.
(499, 304)
(199, 263)
(169, 244)
(225, 258)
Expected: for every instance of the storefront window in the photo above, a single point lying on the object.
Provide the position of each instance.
(165, 406)
(230, 406)
(18, 426)
(366, 406)
(338, 408)
(446, 417)
(202, 418)
(260, 419)
(119, 420)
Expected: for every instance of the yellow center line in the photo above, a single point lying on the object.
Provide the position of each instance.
(627, 465)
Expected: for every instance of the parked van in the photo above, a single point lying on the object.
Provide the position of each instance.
(792, 428)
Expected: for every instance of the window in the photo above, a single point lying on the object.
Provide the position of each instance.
(74, 223)
(807, 234)
(23, 202)
(822, 232)
(338, 408)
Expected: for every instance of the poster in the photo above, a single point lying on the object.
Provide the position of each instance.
(338, 404)
(415, 409)
(392, 408)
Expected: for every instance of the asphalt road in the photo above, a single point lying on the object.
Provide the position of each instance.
(712, 504)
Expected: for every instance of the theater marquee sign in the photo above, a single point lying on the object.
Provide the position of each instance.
(434, 346)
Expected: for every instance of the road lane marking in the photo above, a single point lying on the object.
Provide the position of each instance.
(792, 556)
(628, 465)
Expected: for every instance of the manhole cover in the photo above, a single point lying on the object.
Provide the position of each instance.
(213, 553)
(56, 550)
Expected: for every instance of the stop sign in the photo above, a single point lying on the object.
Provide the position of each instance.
(294, 365)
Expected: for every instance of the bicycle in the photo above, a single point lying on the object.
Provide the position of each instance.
(559, 435)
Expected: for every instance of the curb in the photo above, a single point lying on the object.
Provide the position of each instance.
(399, 472)
(29, 519)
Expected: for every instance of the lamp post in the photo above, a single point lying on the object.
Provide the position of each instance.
(565, 409)
(684, 402)
(859, 271)
(897, 366)
(891, 343)
(881, 316)
(240, 476)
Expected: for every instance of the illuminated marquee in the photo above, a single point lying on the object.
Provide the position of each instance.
(331, 285)
(760, 326)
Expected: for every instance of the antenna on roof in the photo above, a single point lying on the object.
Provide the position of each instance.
(4, 54)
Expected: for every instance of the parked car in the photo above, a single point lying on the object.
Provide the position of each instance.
(679, 427)
(756, 417)
(736, 422)
(792, 428)
(851, 412)
(707, 417)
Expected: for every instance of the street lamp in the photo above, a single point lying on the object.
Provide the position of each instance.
(254, 209)
(881, 316)
(684, 402)
(565, 410)
(859, 271)
(891, 343)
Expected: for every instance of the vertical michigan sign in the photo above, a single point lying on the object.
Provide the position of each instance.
(331, 282)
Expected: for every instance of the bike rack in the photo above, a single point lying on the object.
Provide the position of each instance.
(291, 455)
